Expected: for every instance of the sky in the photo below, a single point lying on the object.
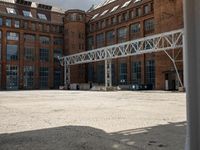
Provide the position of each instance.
(71, 4)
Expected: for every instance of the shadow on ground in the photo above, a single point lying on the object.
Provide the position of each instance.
(162, 137)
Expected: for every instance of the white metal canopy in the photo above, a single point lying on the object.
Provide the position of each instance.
(155, 43)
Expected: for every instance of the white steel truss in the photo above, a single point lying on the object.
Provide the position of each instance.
(155, 43)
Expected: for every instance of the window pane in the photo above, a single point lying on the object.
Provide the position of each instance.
(57, 77)
(44, 72)
(110, 37)
(29, 53)
(33, 26)
(0, 46)
(100, 73)
(136, 73)
(12, 36)
(122, 34)
(90, 43)
(100, 40)
(57, 53)
(138, 12)
(135, 28)
(123, 73)
(27, 13)
(147, 9)
(44, 54)
(16, 24)
(11, 11)
(8, 23)
(149, 25)
(1, 21)
(44, 40)
(28, 77)
(29, 38)
(12, 52)
(12, 77)
(42, 16)
(58, 41)
(150, 72)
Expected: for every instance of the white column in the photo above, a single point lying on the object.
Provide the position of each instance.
(192, 71)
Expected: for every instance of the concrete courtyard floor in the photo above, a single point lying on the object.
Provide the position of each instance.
(77, 120)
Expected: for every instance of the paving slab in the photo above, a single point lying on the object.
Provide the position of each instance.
(84, 120)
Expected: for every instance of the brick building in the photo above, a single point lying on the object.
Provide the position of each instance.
(33, 35)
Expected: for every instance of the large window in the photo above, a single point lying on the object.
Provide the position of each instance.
(0, 76)
(33, 26)
(135, 28)
(57, 53)
(12, 52)
(29, 53)
(136, 73)
(90, 43)
(44, 54)
(11, 11)
(149, 25)
(44, 73)
(8, 22)
(42, 16)
(147, 9)
(138, 12)
(27, 13)
(0, 52)
(100, 40)
(28, 77)
(41, 27)
(12, 77)
(0, 45)
(113, 20)
(16, 23)
(29, 38)
(122, 35)
(90, 72)
(25, 25)
(12, 36)
(1, 21)
(101, 73)
(123, 73)
(150, 72)
(44, 40)
(57, 77)
(110, 37)
(58, 41)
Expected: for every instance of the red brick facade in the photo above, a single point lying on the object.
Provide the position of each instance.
(74, 31)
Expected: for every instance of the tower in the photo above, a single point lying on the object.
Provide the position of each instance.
(74, 37)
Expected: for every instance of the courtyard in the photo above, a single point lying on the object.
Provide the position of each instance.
(84, 120)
